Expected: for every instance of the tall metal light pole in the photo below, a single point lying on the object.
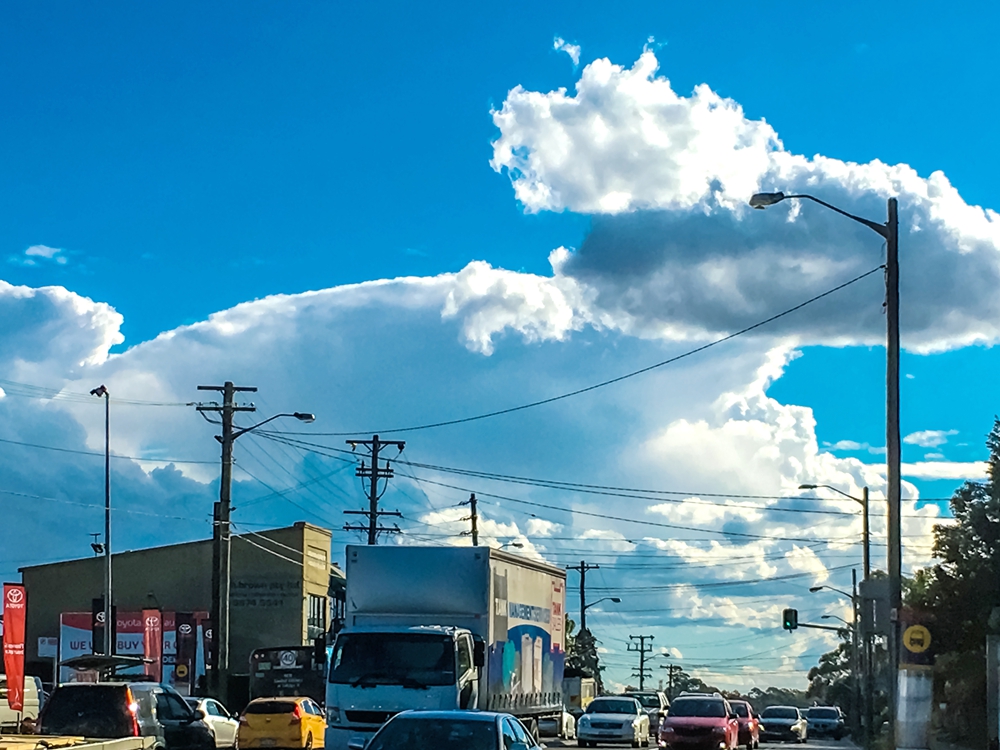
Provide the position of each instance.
(890, 232)
(863, 502)
(109, 626)
(221, 527)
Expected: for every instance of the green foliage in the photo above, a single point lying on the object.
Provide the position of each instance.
(830, 681)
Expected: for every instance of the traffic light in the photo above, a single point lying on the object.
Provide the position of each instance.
(790, 619)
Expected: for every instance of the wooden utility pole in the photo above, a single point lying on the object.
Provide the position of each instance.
(583, 567)
(474, 518)
(373, 474)
(219, 676)
(642, 651)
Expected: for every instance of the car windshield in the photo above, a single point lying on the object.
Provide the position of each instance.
(435, 734)
(823, 713)
(741, 710)
(89, 711)
(698, 707)
(779, 712)
(648, 700)
(607, 706)
(408, 659)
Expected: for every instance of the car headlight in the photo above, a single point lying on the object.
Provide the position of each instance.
(666, 730)
(332, 714)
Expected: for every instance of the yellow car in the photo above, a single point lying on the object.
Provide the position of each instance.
(281, 723)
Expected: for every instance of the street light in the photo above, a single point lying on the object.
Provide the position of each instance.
(890, 233)
(613, 599)
(814, 589)
(863, 501)
(519, 545)
(109, 626)
(836, 617)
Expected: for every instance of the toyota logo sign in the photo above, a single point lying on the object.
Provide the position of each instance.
(184, 629)
(152, 622)
(15, 596)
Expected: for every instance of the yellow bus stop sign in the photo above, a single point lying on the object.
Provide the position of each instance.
(917, 639)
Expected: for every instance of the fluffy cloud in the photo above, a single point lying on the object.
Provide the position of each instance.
(676, 251)
(573, 50)
(36, 253)
(929, 438)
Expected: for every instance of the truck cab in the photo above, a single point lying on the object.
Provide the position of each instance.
(376, 672)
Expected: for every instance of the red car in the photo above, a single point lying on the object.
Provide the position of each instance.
(700, 721)
(749, 734)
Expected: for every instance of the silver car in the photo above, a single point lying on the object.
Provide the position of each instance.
(223, 724)
(783, 723)
(449, 730)
(613, 719)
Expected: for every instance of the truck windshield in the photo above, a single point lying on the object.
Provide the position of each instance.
(409, 659)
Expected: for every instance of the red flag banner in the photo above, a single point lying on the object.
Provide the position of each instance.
(152, 641)
(15, 602)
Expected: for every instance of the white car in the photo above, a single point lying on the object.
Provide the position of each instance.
(613, 719)
(223, 724)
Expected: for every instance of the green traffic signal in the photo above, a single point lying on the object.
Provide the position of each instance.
(790, 619)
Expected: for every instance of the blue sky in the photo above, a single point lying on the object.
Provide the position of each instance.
(175, 162)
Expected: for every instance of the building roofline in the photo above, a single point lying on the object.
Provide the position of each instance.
(298, 525)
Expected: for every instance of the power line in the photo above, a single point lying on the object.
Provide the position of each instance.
(101, 453)
(688, 496)
(604, 383)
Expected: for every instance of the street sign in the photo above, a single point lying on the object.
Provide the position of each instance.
(916, 639)
(48, 648)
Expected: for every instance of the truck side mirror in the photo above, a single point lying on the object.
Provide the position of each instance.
(479, 654)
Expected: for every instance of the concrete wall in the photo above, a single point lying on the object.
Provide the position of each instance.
(273, 572)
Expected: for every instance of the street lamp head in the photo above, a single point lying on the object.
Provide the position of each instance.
(304, 417)
(808, 486)
(763, 200)
(814, 589)
(616, 600)
(826, 617)
(99, 391)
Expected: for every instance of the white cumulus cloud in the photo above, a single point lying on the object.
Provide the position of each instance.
(676, 251)
(929, 438)
(573, 50)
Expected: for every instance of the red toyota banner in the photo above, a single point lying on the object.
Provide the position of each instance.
(14, 609)
(152, 642)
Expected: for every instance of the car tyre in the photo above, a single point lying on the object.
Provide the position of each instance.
(309, 741)
(583, 743)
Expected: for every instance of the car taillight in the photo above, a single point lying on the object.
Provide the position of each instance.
(244, 721)
(133, 711)
(296, 715)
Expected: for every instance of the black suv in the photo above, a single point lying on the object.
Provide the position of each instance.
(109, 710)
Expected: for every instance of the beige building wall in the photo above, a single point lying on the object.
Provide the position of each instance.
(273, 573)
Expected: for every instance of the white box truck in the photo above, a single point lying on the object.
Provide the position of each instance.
(445, 628)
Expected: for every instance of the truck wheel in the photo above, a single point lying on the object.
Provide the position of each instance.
(533, 730)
